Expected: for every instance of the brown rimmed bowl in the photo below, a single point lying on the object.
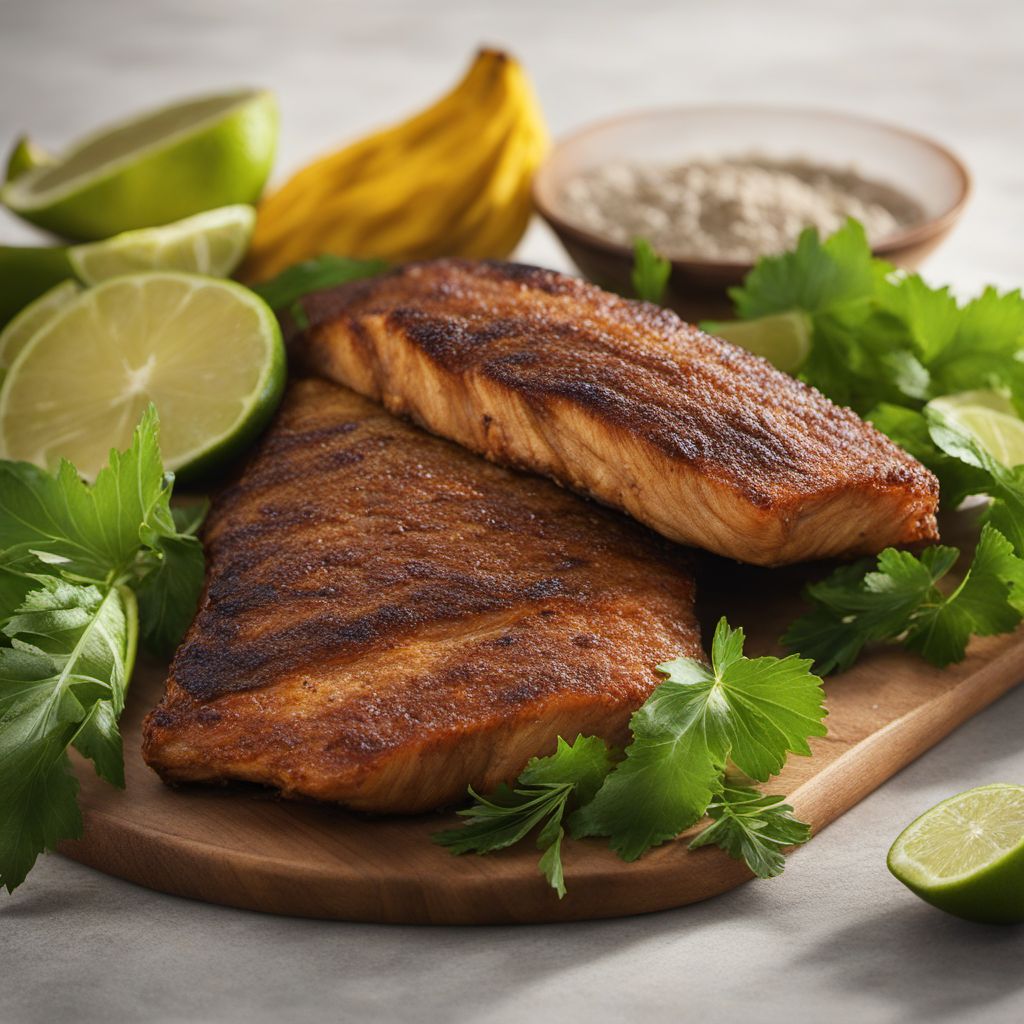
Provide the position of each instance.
(921, 168)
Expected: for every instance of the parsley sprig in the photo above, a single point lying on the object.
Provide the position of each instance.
(650, 272)
(79, 565)
(886, 344)
(750, 712)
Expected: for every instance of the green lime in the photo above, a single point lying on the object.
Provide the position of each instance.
(206, 352)
(154, 169)
(784, 339)
(966, 855)
(210, 243)
(25, 273)
(990, 418)
(19, 331)
(26, 156)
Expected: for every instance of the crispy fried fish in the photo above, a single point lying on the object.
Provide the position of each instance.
(624, 402)
(388, 618)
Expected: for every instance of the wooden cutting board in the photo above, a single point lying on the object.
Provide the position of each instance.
(246, 848)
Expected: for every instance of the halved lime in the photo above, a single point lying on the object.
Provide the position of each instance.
(207, 352)
(210, 243)
(990, 417)
(784, 339)
(25, 156)
(159, 167)
(26, 272)
(966, 855)
(19, 331)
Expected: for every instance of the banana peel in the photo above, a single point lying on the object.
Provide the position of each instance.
(454, 180)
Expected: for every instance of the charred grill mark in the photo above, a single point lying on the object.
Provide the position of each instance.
(630, 374)
(343, 540)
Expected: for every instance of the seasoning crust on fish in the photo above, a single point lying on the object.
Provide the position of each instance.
(388, 619)
(622, 401)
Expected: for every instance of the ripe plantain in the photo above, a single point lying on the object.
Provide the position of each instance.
(452, 181)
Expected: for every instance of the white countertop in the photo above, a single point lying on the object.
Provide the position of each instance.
(836, 938)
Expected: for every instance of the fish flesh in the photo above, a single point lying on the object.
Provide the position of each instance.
(624, 402)
(388, 618)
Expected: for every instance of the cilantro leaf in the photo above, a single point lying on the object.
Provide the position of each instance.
(542, 794)
(69, 656)
(900, 600)
(650, 272)
(284, 291)
(752, 828)
(752, 710)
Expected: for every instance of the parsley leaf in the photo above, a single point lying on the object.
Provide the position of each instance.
(170, 579)
(72, 556)
(541, 796)
(752, 710)
(284, 291)
(909, 428)
(817, 277)
(62, 682)
(900, 599)
(650, 272)
(92, 531)
(1004, 485)
(879, 335)
(752, 828)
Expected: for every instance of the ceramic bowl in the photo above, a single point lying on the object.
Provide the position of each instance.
(918, 166)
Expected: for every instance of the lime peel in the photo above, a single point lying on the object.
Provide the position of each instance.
(784, 339)
(211, 243)
(989, 417)
(207, 352)
(16, 335)
(966, 854)
(154, 168)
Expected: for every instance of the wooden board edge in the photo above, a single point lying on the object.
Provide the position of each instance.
(655, 883)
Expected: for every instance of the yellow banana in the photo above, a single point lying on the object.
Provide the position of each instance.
(453, 180)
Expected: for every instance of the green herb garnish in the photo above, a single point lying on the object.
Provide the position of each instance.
(284, 291)
(898, 598)
(73, 557)
(650, 272)
(751, 712)
(546, 790)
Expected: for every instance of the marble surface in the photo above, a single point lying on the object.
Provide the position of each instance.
(835, 938)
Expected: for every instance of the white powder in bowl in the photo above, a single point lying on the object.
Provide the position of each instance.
(730, 210)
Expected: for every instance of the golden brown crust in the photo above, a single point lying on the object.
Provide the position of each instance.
(388, 618)
(624, 401)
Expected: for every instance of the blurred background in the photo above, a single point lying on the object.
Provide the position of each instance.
(950, 69)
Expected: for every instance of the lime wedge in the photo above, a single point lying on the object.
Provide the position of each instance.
(168, 164)
(19, 331)
(990, 418)
(210, 243)
(784, 339)
(208, 353)
(966, 855)
(25, 273)
(26, 156)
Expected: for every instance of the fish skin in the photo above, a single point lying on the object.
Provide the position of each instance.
(624, 402)
(388, 618)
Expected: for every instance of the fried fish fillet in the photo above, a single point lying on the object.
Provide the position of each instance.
(624, 402)
(388, 618)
